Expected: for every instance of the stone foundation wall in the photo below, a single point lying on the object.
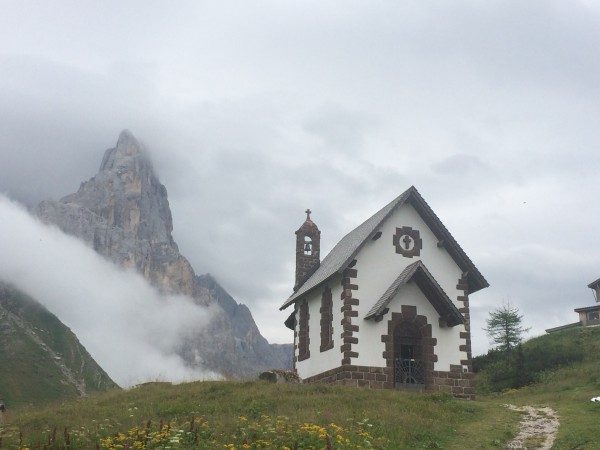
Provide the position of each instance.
(455, 382)
(358, 376)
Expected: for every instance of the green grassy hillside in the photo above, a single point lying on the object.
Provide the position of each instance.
(568, 391)
(262, 415)
(218, 415)
(498, 371)
(563, 372)
(42, 360)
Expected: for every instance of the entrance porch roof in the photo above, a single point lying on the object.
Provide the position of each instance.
(418, 273)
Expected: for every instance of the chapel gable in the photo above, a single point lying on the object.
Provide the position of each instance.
(388, 307)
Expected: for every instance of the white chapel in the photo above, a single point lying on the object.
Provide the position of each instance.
(388, 307)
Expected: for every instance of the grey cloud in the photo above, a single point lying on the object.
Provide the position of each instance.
(340, 128)
(459, 164)
(56, 120)
(254, 113)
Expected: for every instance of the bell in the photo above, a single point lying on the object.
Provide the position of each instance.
(307, 247)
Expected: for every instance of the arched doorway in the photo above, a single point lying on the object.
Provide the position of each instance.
(409, 370)
(409, 349)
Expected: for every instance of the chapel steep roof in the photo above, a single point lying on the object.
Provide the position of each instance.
(348, 247)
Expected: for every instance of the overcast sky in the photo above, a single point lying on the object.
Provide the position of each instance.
(254, 111)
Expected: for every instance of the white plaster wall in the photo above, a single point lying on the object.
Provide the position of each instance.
(321, 361)
(378, 265)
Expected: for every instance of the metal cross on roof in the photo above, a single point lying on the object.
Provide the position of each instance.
(308, 211)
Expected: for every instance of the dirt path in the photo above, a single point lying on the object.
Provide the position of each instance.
(537, 428)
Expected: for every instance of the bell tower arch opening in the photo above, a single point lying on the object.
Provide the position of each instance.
(308, 247)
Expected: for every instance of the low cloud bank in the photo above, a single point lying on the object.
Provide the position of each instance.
(129, 328)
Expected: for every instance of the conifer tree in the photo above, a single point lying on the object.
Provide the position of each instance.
(505, 327)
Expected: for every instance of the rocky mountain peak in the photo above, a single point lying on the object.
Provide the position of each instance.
(126, 194)
(126, 137)
(123, 213)
(125, 153)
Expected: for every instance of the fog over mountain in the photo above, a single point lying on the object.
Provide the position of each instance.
(123, 214)
(129, 328)
(253, 112)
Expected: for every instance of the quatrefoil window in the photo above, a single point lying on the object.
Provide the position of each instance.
(407, 241)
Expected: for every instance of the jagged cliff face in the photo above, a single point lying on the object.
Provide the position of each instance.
(123, 213)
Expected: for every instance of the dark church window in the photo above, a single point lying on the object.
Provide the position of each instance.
(303, 339)
(326, 320)
(594, 315)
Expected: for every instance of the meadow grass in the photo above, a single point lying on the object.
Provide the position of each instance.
(253, 413)
(499, 371)
(568, 391)
(565, 367)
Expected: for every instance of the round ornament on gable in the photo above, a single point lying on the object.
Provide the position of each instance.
(408, 242)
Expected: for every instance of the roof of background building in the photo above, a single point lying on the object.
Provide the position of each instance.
(563, 327)
(588, 308)
(594, 283)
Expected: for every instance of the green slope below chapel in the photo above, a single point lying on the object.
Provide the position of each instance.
(42, 360)
(560, 370)
(565, 369)
(229, 414)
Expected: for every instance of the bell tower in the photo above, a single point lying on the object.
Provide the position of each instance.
(308, 247)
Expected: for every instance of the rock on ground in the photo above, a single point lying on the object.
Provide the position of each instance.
(279, 376)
